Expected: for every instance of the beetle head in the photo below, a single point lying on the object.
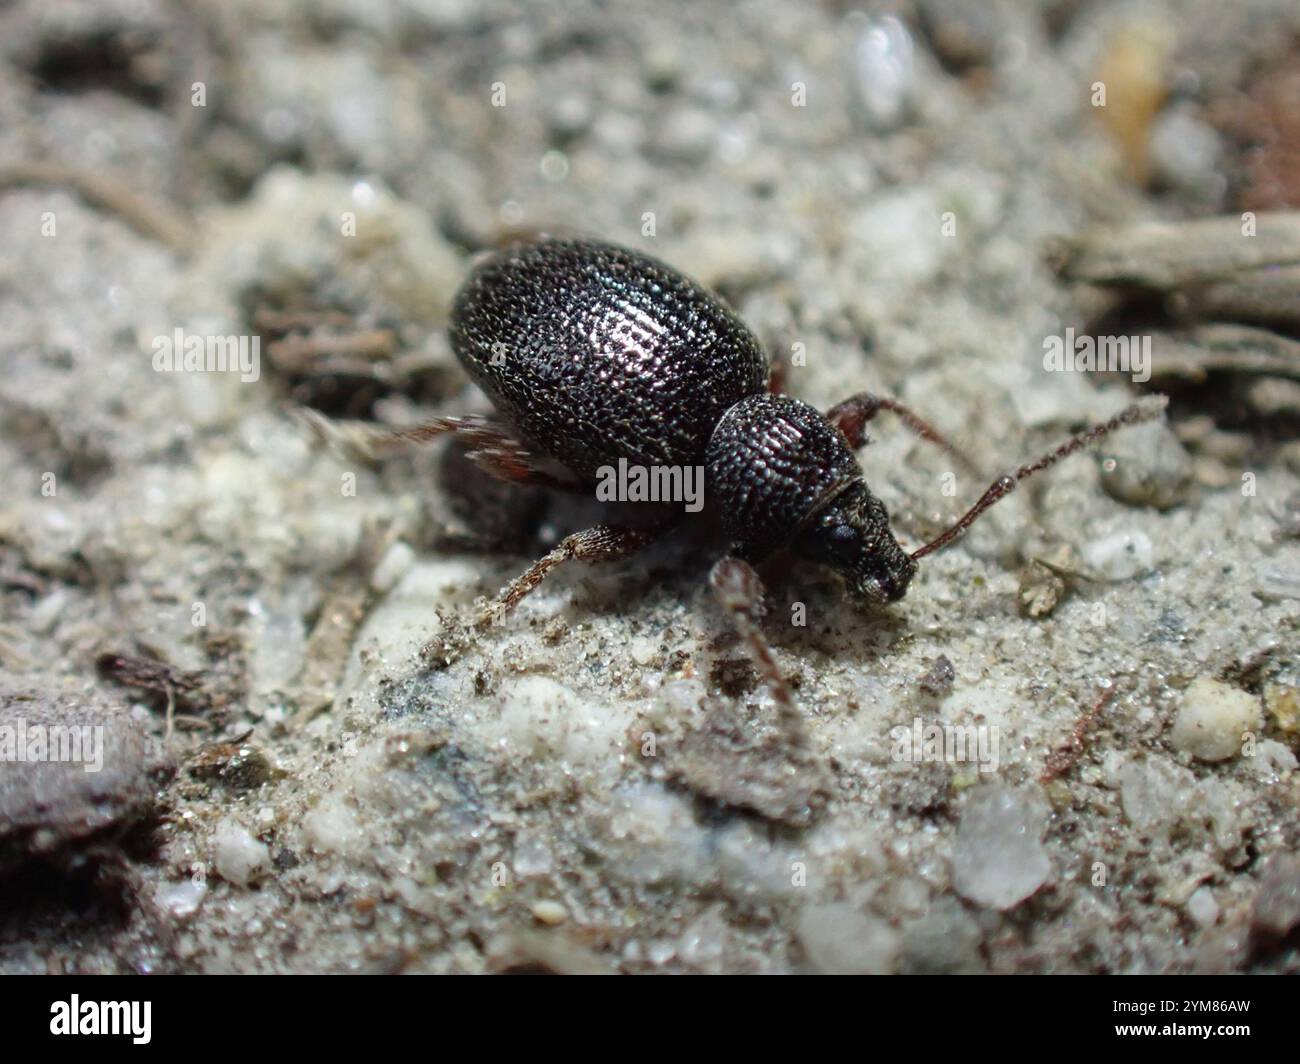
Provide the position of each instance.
(852, 536)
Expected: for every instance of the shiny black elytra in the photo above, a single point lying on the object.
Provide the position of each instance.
(592, 353)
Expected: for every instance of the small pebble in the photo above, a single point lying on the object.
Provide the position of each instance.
(533, 858)
(1146, 466)
(332, 827)
(1120, 556)
(840, 940)
(1040, 591)
(687, 135)
(549, 912)
(883, 73)
(1152, 791)
(938, 679)
(1283, 704)
(1202, 907)
(1046, 581)
(945, 941)
(1277, 581)
(570, 115)
(703, 943)
(680, 697)
(238, 856)
(964, 34)
(1276, 908)
(1212, 720)
(1184, 150)
(661, 952)
(998, 858)
(662, 64)
(1274, 758)
(181, 899)
(644, 649)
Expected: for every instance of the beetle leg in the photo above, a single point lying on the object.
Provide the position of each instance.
(603, 543)
(490, 446)
(739, 590)
(777, 376)
(851, 417)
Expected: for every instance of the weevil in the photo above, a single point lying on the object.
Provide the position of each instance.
(592, 353)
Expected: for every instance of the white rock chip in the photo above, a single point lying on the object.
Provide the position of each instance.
(1212, 719)
(998, 859)
(840, 940)
(332, 827)
(883, 72)
(654, 837)
(183, 899)
(1276, 908)
(1202, 907)
(394, 565)
(1154, 792)
(238, 856)
(1121, 556)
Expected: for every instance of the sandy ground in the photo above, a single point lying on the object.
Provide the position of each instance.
(600, 784)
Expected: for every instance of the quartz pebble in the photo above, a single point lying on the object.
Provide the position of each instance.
(840, 940)
(1120, 556)
(1149, 791)
(183, 899)
(1184, 150)
(998, 859)
(883, 69)
(1202, 907)
(239, 857)
(1277, 581)
(394, 565)
(1276, 909)
(945, 941)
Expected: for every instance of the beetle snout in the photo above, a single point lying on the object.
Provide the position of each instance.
(886, 578)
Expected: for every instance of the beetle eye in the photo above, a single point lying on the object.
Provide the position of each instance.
(842, 543)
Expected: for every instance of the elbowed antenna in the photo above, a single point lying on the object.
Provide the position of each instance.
(1147, 409)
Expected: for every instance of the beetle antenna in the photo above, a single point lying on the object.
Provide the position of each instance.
(1147, 409)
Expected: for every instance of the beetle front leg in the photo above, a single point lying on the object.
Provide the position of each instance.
(739, 590)
(602, 543)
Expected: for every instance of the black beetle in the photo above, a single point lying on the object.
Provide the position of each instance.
(592, 353)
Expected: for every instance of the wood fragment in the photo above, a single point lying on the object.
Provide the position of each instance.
(1167, 256)
(147, 216)
(1268, 297)
(1203, 349)
(352, 353)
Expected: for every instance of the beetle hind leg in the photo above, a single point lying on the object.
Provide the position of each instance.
(489, 446)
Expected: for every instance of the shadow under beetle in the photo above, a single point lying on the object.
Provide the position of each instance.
(593, 353)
